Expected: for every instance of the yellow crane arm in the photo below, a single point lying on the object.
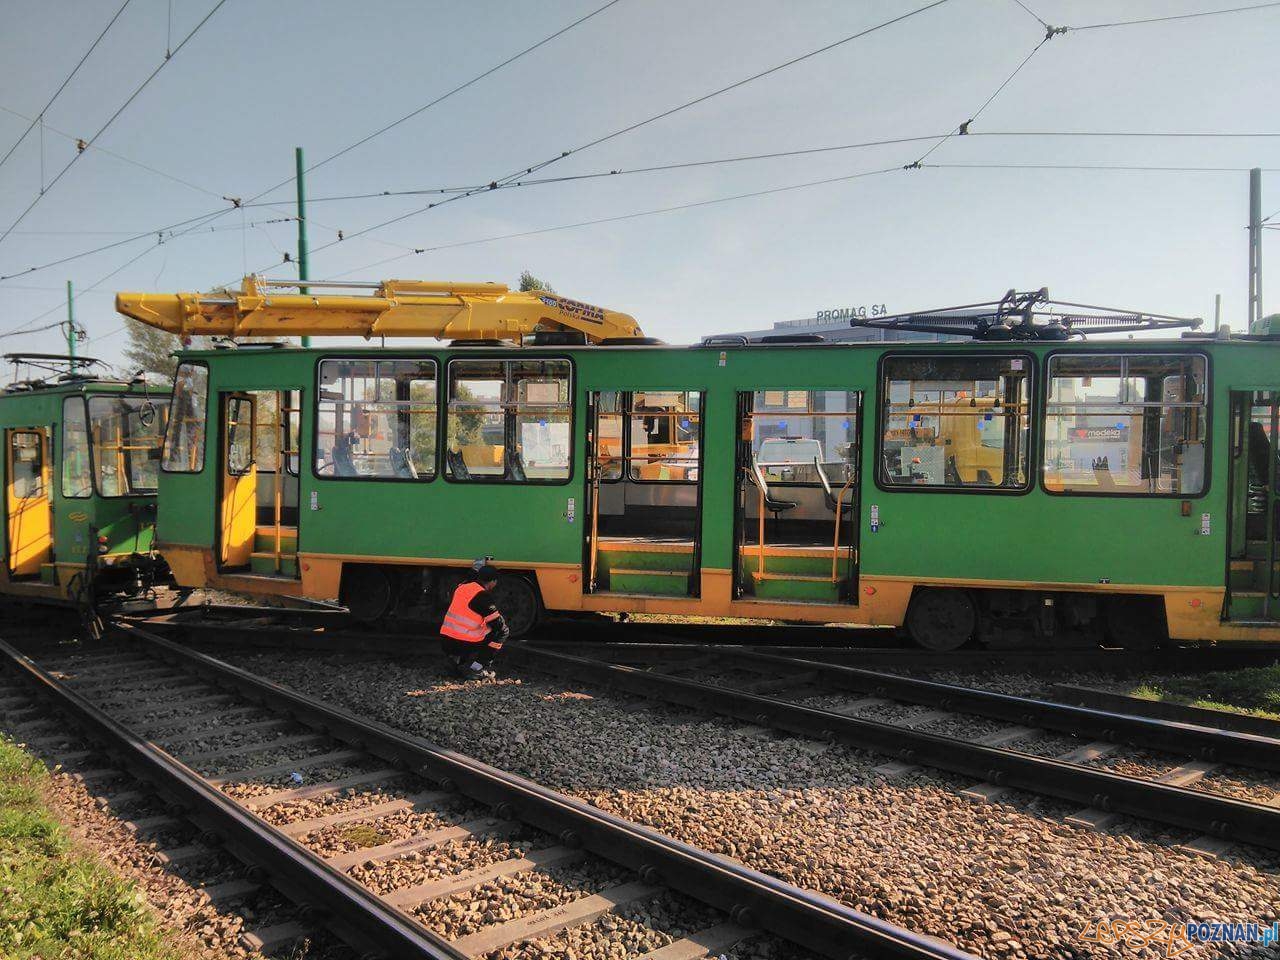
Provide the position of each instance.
(393, 308)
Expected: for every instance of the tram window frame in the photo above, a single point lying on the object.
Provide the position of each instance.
(1029, 401)
(203, 443)
(853, 400)
(434, 462)
(571, 404)
(164, 402)
(629, 418)
(64, 453)
(1103, 353)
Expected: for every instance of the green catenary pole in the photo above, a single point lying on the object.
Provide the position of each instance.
(303, 271)
(71, 323)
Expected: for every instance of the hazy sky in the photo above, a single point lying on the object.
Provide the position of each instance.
(260, 78)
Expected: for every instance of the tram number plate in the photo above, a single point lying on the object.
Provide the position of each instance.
(1205, 527)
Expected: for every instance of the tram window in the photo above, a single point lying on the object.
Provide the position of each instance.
(610, 454)
(955, 422)
(126, 433)
(377, 419)
(184, 441)
(803, 436)
(665, 432)
(239, 436)
(28, 464)
(1131, 424)
(277, 430)
(509, 420)
(77, 476)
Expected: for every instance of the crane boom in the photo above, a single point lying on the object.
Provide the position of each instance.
(392, 308)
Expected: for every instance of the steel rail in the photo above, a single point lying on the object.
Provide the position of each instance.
(750, 898)
(1187, 737)
(350, 910)
(1196, 810)
(1165, 710)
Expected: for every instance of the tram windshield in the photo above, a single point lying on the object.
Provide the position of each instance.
(126, 433)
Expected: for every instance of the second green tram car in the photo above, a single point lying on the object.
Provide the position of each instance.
(80, 470)
(1039, 491)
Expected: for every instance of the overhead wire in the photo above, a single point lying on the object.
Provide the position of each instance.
(111, 153)
(39, 117)
(1180, 16)
(963, 128)
(644, 122)
(1002, 165)
(23, 328)
(445, 96)
(112, 119)
(625, 216)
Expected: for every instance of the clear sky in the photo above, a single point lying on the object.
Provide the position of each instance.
(260, 78)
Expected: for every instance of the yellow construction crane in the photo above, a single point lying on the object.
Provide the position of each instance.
(392, 308)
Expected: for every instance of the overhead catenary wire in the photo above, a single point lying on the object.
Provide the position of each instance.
(24, 327)
(444, 96)
(963, 128)
(624, 216)
(671, 111)
(110, 120)
(39, 117)
(111, 153)
(1180, 16)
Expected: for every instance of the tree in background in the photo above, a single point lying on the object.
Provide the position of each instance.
(150, 349)
(530, 283)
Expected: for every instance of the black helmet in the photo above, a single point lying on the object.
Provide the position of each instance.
(486, 573)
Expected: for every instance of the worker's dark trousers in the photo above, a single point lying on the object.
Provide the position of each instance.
(460, 651)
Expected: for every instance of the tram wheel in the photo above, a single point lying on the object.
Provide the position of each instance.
(367, 592)
(518, 601)
(941, 619)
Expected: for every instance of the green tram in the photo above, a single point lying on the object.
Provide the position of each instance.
(1022, 487)
(82, 457)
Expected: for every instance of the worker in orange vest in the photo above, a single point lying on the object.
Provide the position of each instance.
(473, 629)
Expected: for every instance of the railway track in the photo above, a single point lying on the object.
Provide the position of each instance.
(640, 643)
(777, 692)
(387, 836)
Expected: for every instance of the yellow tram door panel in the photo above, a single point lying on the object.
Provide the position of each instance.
(30, 514)
(239, 481)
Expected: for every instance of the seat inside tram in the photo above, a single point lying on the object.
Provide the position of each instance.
(797, 495)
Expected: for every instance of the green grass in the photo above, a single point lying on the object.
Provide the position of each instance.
(57, 901)
(1255, 690)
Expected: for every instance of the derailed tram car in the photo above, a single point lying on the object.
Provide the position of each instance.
(82, 456)
(1025, 486)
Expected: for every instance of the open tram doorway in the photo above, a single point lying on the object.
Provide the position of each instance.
(28, 509)
(796, 514)
(644, 493)
(1253, 586)
(258, 508)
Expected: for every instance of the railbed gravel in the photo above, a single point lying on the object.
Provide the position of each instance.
(260, 786)
(445, 860)
(513, 897)
(1003, 880)
(338, 801)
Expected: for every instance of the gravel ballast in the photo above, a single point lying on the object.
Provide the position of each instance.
(1003, 880)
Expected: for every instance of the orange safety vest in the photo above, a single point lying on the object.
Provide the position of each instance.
(463, 623)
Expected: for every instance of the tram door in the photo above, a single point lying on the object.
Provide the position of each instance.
(796, 514)
(644, 493)
(259, 509)
(1254, 586)
(27, 505)
(238, 510)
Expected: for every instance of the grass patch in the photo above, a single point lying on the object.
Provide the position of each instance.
(56, 901)
(1254, 690)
